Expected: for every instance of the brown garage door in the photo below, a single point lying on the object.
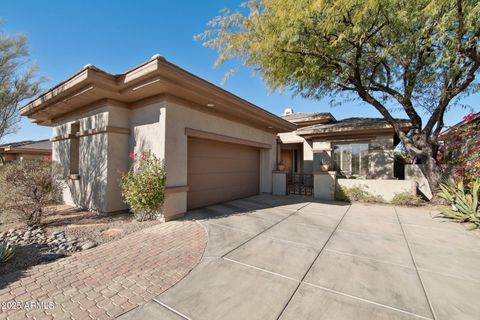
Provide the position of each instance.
(219, 172)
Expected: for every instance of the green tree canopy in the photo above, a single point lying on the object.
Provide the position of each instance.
(17, 80)
(419, 55)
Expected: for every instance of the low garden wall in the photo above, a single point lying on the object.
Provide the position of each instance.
(413, 172)
(386, 189)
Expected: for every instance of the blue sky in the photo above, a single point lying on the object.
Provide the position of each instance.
(117, 35)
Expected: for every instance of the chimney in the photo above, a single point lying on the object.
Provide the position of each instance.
(287, 111)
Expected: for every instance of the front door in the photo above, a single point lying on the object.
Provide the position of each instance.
(287, 159)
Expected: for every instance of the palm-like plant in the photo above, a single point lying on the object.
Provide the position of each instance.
(463, 201)
(6, 251)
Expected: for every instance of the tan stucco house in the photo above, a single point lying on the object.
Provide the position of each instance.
(353, 147)
(215, 145)
(26, 150)
(325, 154)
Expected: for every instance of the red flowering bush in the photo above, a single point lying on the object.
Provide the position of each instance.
(460, 148)
(143, 187)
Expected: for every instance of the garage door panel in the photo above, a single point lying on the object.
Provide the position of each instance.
(219, 172)
(217, 195)
(220, 180)
(200, 148)
(215, 165)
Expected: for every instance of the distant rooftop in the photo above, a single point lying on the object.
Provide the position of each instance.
(350, 124)
(302, 119)
(474, 117)
(45, 144)
(306, 115)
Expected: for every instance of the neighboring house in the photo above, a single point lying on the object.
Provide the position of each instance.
(473, 118)
(469, 126)
(215, 145)
(353, 147)
(40, 149)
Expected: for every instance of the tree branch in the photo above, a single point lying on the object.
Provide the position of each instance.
(448, 94)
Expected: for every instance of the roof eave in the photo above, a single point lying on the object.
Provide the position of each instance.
(349, 130)
(96, 82)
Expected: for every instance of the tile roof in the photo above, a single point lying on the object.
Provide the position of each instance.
(349, 124)
(45, 144)
(306, 115)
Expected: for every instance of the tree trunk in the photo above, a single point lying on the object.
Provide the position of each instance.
(434, 174)
(420, 147)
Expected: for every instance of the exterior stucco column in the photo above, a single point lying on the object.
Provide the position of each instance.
(324, 184)
(322, 150)
(381, 159)
(279, 183)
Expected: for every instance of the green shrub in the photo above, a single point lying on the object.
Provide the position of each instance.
(340, 195)
(29, 187)
(6, 251)
(143, 187)
(463, 201)
(356, 194)
(407, 199)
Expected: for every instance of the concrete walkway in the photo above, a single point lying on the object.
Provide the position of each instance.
(288, 258)
(107, 281)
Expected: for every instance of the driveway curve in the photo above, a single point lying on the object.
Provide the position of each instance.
(106, 281)
(289, 258)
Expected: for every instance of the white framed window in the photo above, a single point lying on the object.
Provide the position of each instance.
(351, 159)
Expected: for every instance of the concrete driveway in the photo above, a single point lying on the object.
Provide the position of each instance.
(289, 258)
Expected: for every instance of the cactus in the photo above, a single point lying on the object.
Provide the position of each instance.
(464, 203)
(6, 251)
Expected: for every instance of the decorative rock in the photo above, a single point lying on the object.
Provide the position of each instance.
(88, 245)
(112, 232)
(71, 243)
(56, 243)
(58, 234)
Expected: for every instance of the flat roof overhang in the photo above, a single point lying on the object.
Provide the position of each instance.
(350, 132)
(153, 78)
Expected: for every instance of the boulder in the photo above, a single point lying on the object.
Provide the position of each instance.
(112, 232)
(88, 245)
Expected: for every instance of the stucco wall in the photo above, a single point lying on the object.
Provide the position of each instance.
(322, 150)
(413, 172)
(91, 190)
(381, 158)
(324, 185)
(118, 149)
(147, 125)
(103, 157)
(23, 156)
(279, 183)
(9, 157)
(61, 155)
(387, 189)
